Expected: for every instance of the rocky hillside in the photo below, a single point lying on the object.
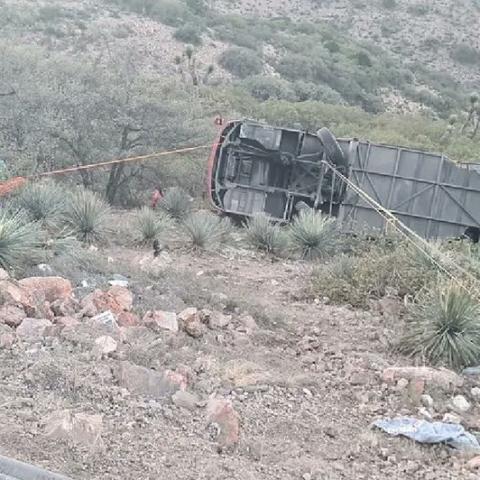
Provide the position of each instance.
(384, 54)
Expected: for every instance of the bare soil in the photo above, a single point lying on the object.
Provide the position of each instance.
(306, 383)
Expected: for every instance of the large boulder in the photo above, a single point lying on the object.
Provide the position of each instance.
(12, 315)
(47, 288)
(144, 381)
(33, 328)
(191, 322)
(115, 300)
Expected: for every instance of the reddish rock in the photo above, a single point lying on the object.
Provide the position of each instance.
(47, 288)
(116, 300)
(7, 340)
(66, 321)
(144, 381)
(12, 315)
(122, 296)
(191, 322)
(221, 412)
(11, 293)
(33, 328)
(127, 319)
(435, 377)
(79, 428)
(160, 320)
(474, 463)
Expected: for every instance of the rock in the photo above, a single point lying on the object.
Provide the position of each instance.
(45, 268)
(475, 392)
(160, 320)
(12, 315)
(33, 328)
(79, 428)
(127, 319)
(441, 377)
(402, 384)
(190, 321)
(7, 340)
(452, 418)
(185, 400)
(241, 373)
(474, 463)
(248, 323)
(4, 274)
(105, 345)
(359, 378)
(219, 298)
(218, 320)
(116, 300)
(427, 401)
(66, 322)
(13, 294)
(119, 281)
(220, 412)
(306, 476)
(47, 288)
(106, 319)
(144, 381)
(122, 296)
(425, 413)
(66, 307)
(416, 388)
(461, 404)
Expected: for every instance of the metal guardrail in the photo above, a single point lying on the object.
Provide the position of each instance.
(11, 469)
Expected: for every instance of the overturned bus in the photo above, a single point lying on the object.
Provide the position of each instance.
(255, 168)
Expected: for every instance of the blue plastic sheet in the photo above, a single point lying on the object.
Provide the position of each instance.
(423, 431)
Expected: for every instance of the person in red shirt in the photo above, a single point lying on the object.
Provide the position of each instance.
(156, 196)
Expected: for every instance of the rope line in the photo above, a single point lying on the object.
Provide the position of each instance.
(396, 223)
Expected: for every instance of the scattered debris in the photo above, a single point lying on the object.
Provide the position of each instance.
(423, 431)
(441, 377)
(461, 404)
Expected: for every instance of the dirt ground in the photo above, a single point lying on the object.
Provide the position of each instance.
(306, 382)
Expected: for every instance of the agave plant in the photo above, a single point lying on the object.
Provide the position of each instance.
(444, 327)
(264, 235)
(19, 239)
(87, 215)
(43, 202)
(203, 230)
(176, 203)
(313, 234)
(151, 224)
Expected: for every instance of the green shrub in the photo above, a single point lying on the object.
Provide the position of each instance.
(176, 203)
(310, 91)
(151, 224)
(19, 239)
(418, 9)
(241, 62)
(295, 67)
(466, 54)
(444, 328)
(265, 88)
(313, 234)
(389, 4)
(204, 230)
(87, 215)
(189, 33)
(264, 235)
(43, 201)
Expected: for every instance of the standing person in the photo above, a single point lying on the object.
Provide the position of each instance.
(156, 196)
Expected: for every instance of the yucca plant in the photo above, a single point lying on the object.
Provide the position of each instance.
(19, 240)
(151, 224)
(203, 230)
(313, 234)
(43, 202)
(87, 215)
(262, 234)
(444, 327)
(176, 203)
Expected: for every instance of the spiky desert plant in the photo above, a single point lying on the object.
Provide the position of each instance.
(151, 224)
(313, 234)
(176, 203)
(444, 327)
(87, 215)
(203, 230)
(19, 239)
(262, 234)
(43, 202)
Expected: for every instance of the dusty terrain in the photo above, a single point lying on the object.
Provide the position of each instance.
(305, 379)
